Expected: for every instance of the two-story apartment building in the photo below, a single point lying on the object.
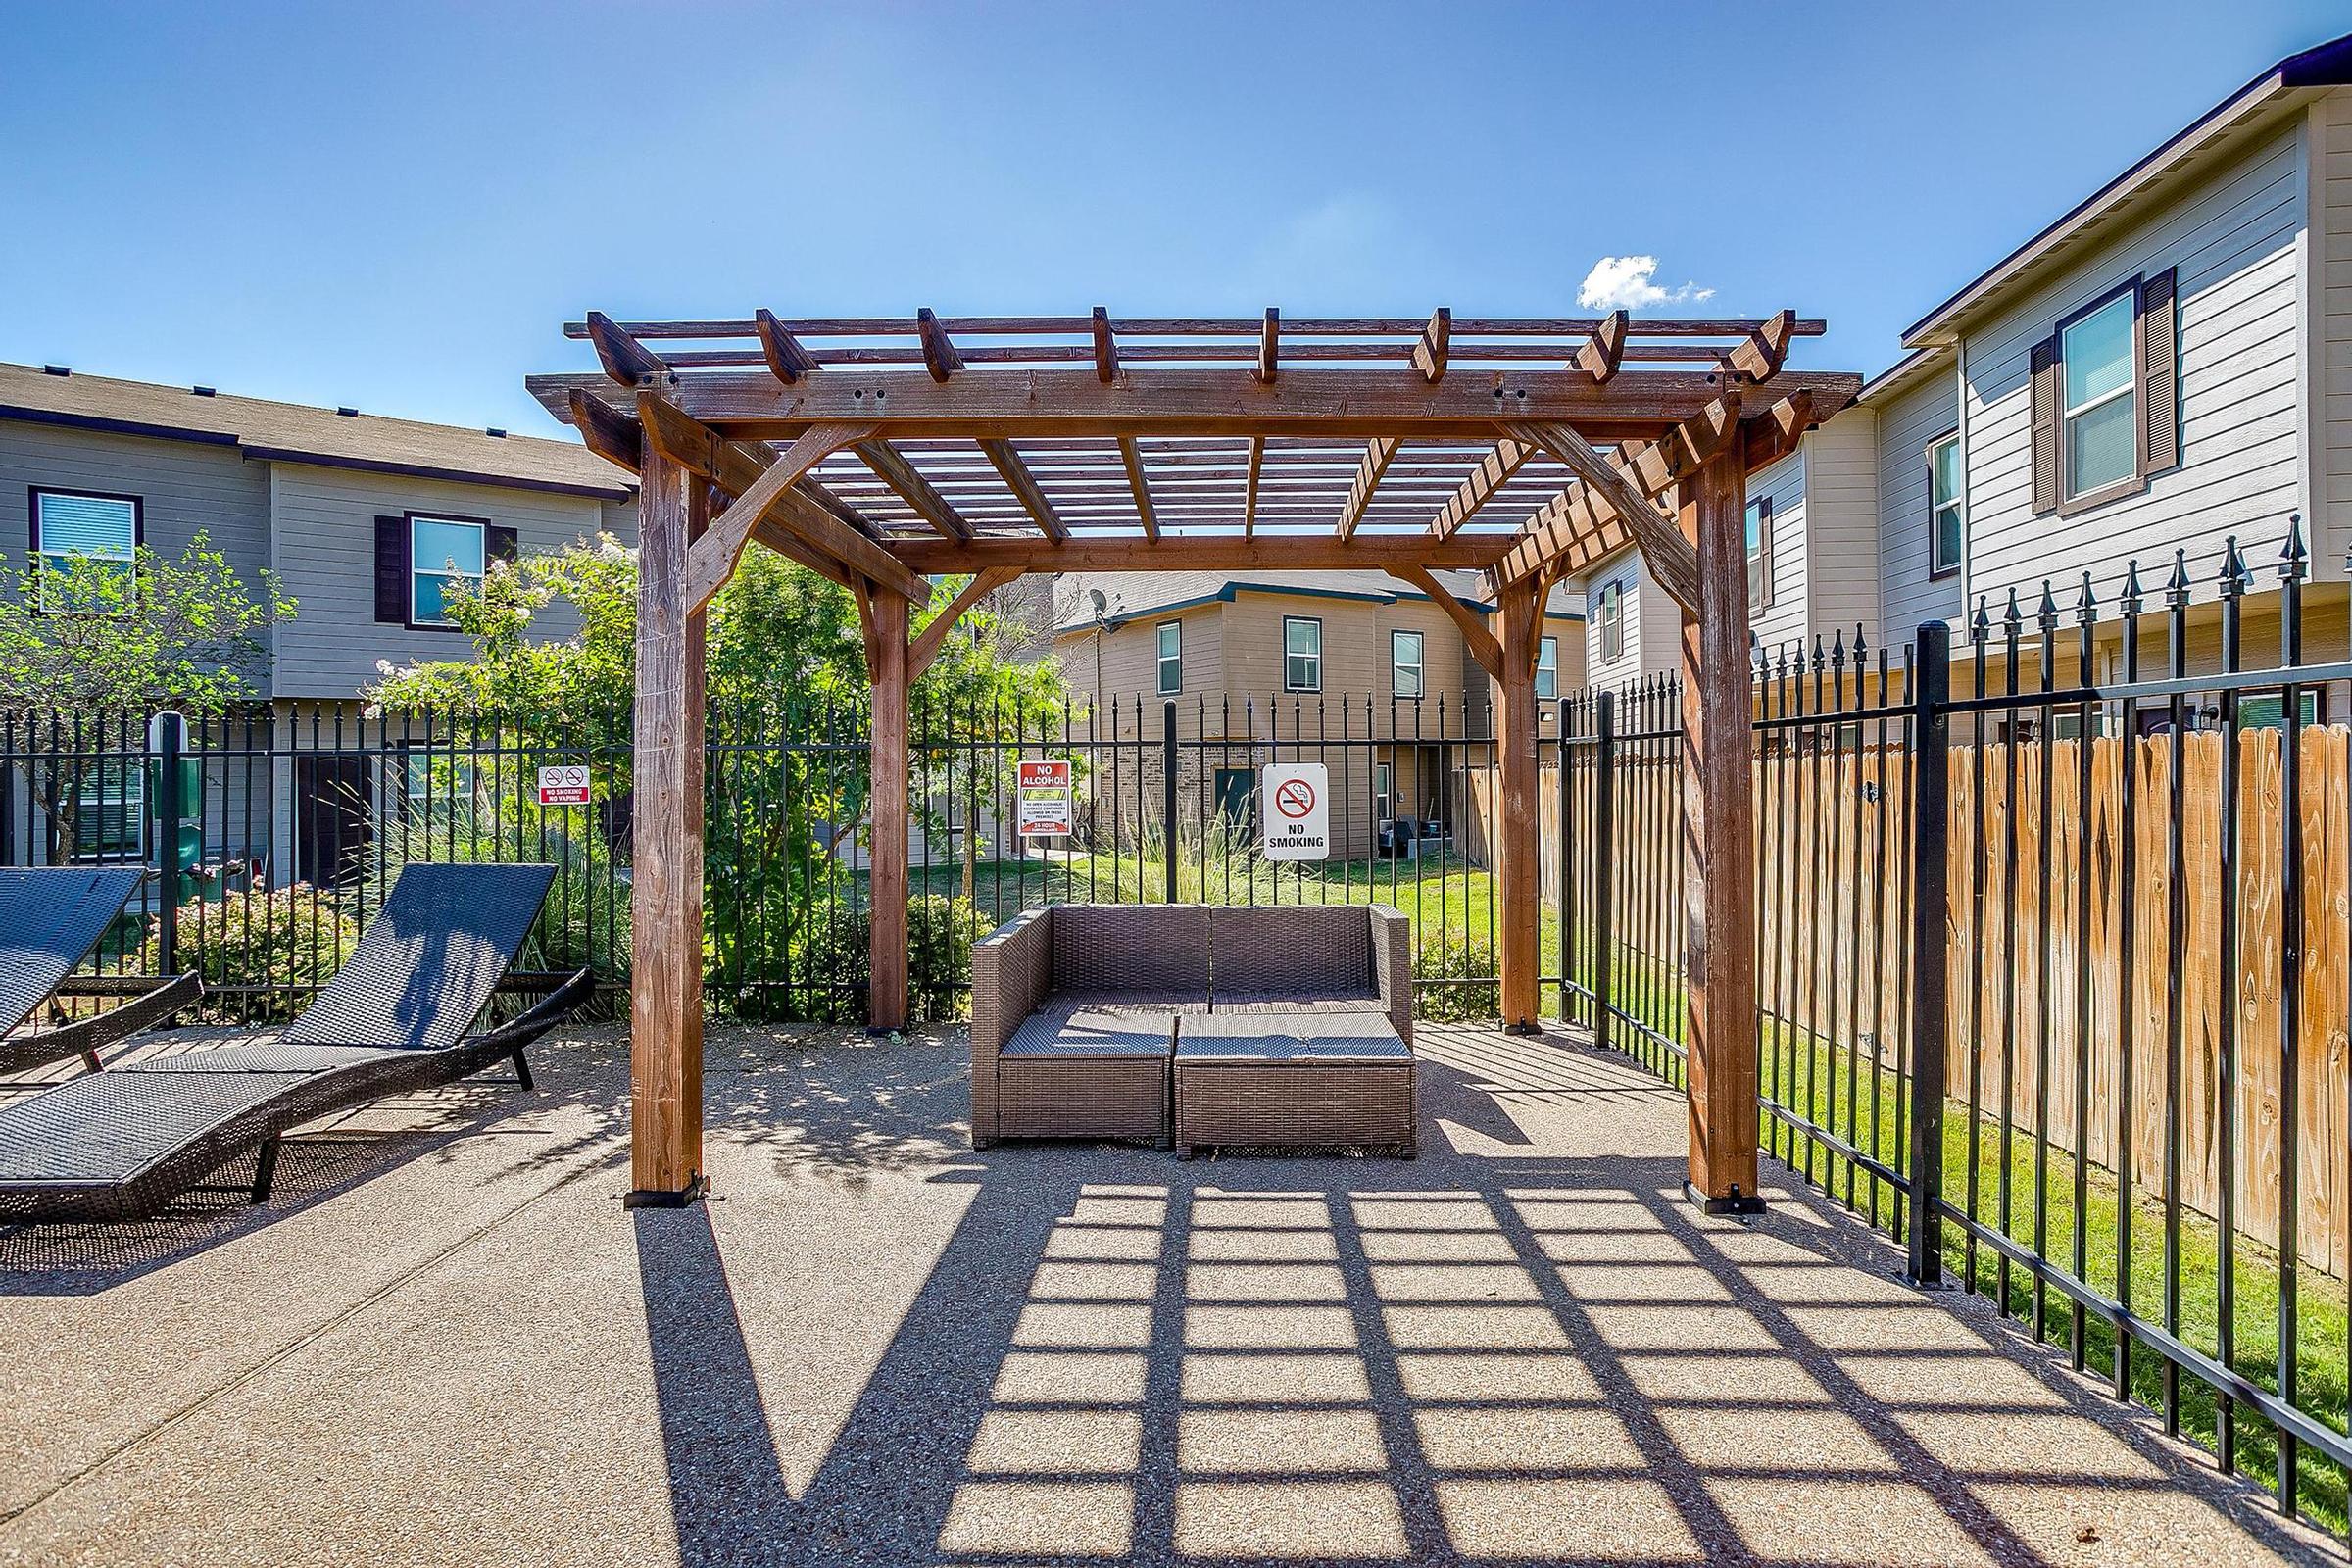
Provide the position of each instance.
(1368, 674)
(364, 520)
(2164, 367)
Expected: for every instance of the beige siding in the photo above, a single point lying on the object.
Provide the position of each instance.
(1121, 665)
(1355, 645)
(1653, 625)
(324, 547)
(1842, 524)
(2235, 241)
(1906, 423)
(2329, 369)
(1787, 614)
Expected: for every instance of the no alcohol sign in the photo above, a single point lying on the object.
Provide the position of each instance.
(1297, 810)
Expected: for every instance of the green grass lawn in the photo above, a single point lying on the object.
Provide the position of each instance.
(1836, 1088)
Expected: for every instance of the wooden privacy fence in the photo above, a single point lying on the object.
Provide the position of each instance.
(2040, 994)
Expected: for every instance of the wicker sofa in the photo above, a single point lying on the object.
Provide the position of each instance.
(1077, 1011)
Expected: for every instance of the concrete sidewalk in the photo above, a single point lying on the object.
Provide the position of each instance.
(445, 1342)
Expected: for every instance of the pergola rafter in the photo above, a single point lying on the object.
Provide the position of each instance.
(882, 451)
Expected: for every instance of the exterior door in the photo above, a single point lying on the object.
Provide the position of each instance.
(332, 827)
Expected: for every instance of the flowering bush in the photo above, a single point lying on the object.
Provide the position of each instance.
(261, 954)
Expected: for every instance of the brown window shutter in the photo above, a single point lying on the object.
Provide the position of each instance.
(2044, 366)
(2159, 373)
(392, 571)
(500, 543)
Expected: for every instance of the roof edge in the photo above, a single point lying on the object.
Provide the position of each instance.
(420, 470)
(2324, 65)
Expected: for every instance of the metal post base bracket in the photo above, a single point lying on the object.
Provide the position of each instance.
(692, 1193)
(1523, 1028)
(1738, 1203)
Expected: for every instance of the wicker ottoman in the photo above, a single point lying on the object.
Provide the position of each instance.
(1316, 1078)
(1073, 1070)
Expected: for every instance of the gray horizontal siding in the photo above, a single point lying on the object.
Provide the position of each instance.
(184, 487)
(2331, 139)
(325, 551)
(1653, 625)
(2236, 242)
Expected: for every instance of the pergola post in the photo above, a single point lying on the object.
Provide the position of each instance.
(1518, 874)
(886, 797)
(1719, 888)
(665, 898)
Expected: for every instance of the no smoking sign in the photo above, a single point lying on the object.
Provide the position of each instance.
(1297, 814)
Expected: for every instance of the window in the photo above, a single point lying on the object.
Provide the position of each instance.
(1382, 802)
(2106, 396)
(2268, 712)
(2101, 400)
(434, 782)
(1404, 663)
(1612, 622)
(1547, 668)
(1759, 555)
(441, 551)
(1943, 505)
(1301, 654)
(1171, 658)
(100, 528)
(108, 807)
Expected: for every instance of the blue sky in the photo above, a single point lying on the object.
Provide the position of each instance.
(397, 206)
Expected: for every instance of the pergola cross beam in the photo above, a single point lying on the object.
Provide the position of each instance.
(735, 467)
(1273, 442)
(710, 560)
(1670, 558)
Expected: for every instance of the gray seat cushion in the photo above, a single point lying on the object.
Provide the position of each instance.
(1066, 1028)
(1265, 1037)
(1142, 1000)
(1338, 1000)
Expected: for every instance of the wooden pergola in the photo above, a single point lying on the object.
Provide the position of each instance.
(880, 451)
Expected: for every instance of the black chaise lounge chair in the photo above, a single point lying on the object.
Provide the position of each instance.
(50, 919)
(123, 1143)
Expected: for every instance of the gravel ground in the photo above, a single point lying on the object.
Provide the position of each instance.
(444, 1342)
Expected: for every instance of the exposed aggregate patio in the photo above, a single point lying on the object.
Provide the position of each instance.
(444, 1340)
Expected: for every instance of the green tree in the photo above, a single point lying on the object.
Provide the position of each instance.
(110, 640)
(785, 659)
(86, 634)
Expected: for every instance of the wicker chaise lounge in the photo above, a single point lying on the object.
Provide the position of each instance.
(395, 1019)
(51, 917)
(1081, 1015)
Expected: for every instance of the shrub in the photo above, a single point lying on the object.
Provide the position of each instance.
(831, 969)
(1468, 962)
(282, 943)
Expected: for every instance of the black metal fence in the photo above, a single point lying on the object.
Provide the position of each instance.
(2055, 971)
(285, 824)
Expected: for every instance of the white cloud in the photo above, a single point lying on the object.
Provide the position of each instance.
(1626, 284)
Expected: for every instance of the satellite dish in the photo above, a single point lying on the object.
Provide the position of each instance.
(1101, 603)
